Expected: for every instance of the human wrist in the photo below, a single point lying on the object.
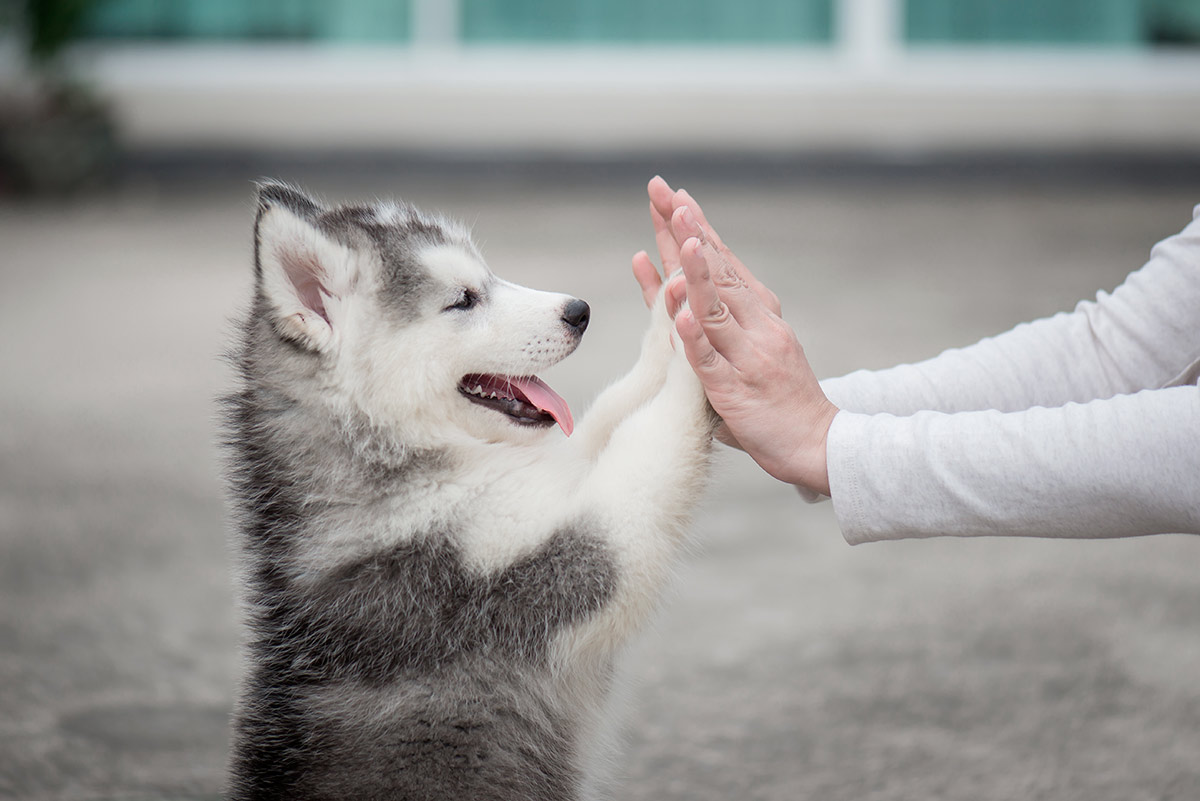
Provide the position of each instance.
(808, 466)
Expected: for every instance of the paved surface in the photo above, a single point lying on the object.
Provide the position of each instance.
(786, 666)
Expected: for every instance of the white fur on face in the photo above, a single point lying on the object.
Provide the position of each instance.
(406, 375)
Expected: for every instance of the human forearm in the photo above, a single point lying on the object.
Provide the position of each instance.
(1125, 466)
(1140, 336)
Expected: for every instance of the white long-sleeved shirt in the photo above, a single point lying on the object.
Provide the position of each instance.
(1085, 424)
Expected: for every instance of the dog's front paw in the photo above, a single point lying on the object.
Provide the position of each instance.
(682, 379)
(660, 340)
(660, 312)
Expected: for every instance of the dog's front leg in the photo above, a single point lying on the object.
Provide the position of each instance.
(642, 490)
(634, 389)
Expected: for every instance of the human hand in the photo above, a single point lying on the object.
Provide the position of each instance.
(749, 360)
(644, 271)
(664, 203)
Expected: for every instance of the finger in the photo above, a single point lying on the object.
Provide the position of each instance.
(676, 294)
(710, 367)
(707, 306)
(668, 248)
(682, 199)
(687, 221)
(661, 196)
(647, 276)
(743, 302)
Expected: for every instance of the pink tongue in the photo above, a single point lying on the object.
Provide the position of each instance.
(540, 395)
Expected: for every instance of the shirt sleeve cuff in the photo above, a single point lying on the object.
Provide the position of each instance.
(843, 446)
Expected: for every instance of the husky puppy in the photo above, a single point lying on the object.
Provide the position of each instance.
(436, 580)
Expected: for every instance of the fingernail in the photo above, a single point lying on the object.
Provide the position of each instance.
(688, 218)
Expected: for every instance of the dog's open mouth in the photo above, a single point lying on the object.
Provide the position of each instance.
(525, 399)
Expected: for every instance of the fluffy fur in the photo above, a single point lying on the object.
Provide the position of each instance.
(435, 589)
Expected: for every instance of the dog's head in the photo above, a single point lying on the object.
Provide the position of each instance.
(394, 313)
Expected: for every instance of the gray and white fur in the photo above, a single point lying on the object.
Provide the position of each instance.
(436, 582)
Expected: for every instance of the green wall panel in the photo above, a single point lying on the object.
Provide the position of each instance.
(1025, 21)
(350, 20)
(964, 22)
(683, 21)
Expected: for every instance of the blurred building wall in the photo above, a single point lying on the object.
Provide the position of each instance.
(614, 76)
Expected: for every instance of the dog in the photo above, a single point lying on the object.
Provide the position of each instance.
(436, 581)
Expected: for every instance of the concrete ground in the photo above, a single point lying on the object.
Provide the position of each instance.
(786, 664)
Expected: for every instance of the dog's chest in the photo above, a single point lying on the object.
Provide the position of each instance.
(419, 606)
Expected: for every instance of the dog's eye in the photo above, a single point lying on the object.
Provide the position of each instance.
(466, 300)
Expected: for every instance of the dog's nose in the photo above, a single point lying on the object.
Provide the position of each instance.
(576, 314)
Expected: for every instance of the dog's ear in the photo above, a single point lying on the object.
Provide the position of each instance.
(301, 272)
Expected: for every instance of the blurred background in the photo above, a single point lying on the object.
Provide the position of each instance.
(590, 78)
(908, 175)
